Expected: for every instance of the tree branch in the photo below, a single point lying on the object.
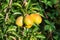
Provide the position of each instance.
(7, 10)
(24, 2)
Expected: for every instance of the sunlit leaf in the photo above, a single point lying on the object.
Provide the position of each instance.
(11, 28)
(17, 4)
(40, 36)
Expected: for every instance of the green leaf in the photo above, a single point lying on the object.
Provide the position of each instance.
(1, 34)
(17, 13)
(4, 6)
(36, 28)
(35, 9)
(55, 1)
(56, 37)
(41, 15)
(1, 14)
(17, 4)
(40, 36)
(12, 19)
(7, 1)
(49, 28)
(46, 21)
(49, 3)
(11, 28)
(13, 33)
(25, 32)
(44, 1)
(11, 37)
(28, 4)
(33, 38)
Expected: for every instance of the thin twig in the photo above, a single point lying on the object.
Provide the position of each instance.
(46, 15)
(50, 36)
(10, 3)
(24, 1)
(7, 10)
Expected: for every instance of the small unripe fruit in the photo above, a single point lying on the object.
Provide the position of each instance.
(28, 20)
(19, 21)
(36, 18)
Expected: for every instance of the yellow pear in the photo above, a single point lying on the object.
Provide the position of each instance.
(19, 21)
(36, 18)
(28, 21)
(28, 26)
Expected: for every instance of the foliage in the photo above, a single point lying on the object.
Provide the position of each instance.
(49, 28)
